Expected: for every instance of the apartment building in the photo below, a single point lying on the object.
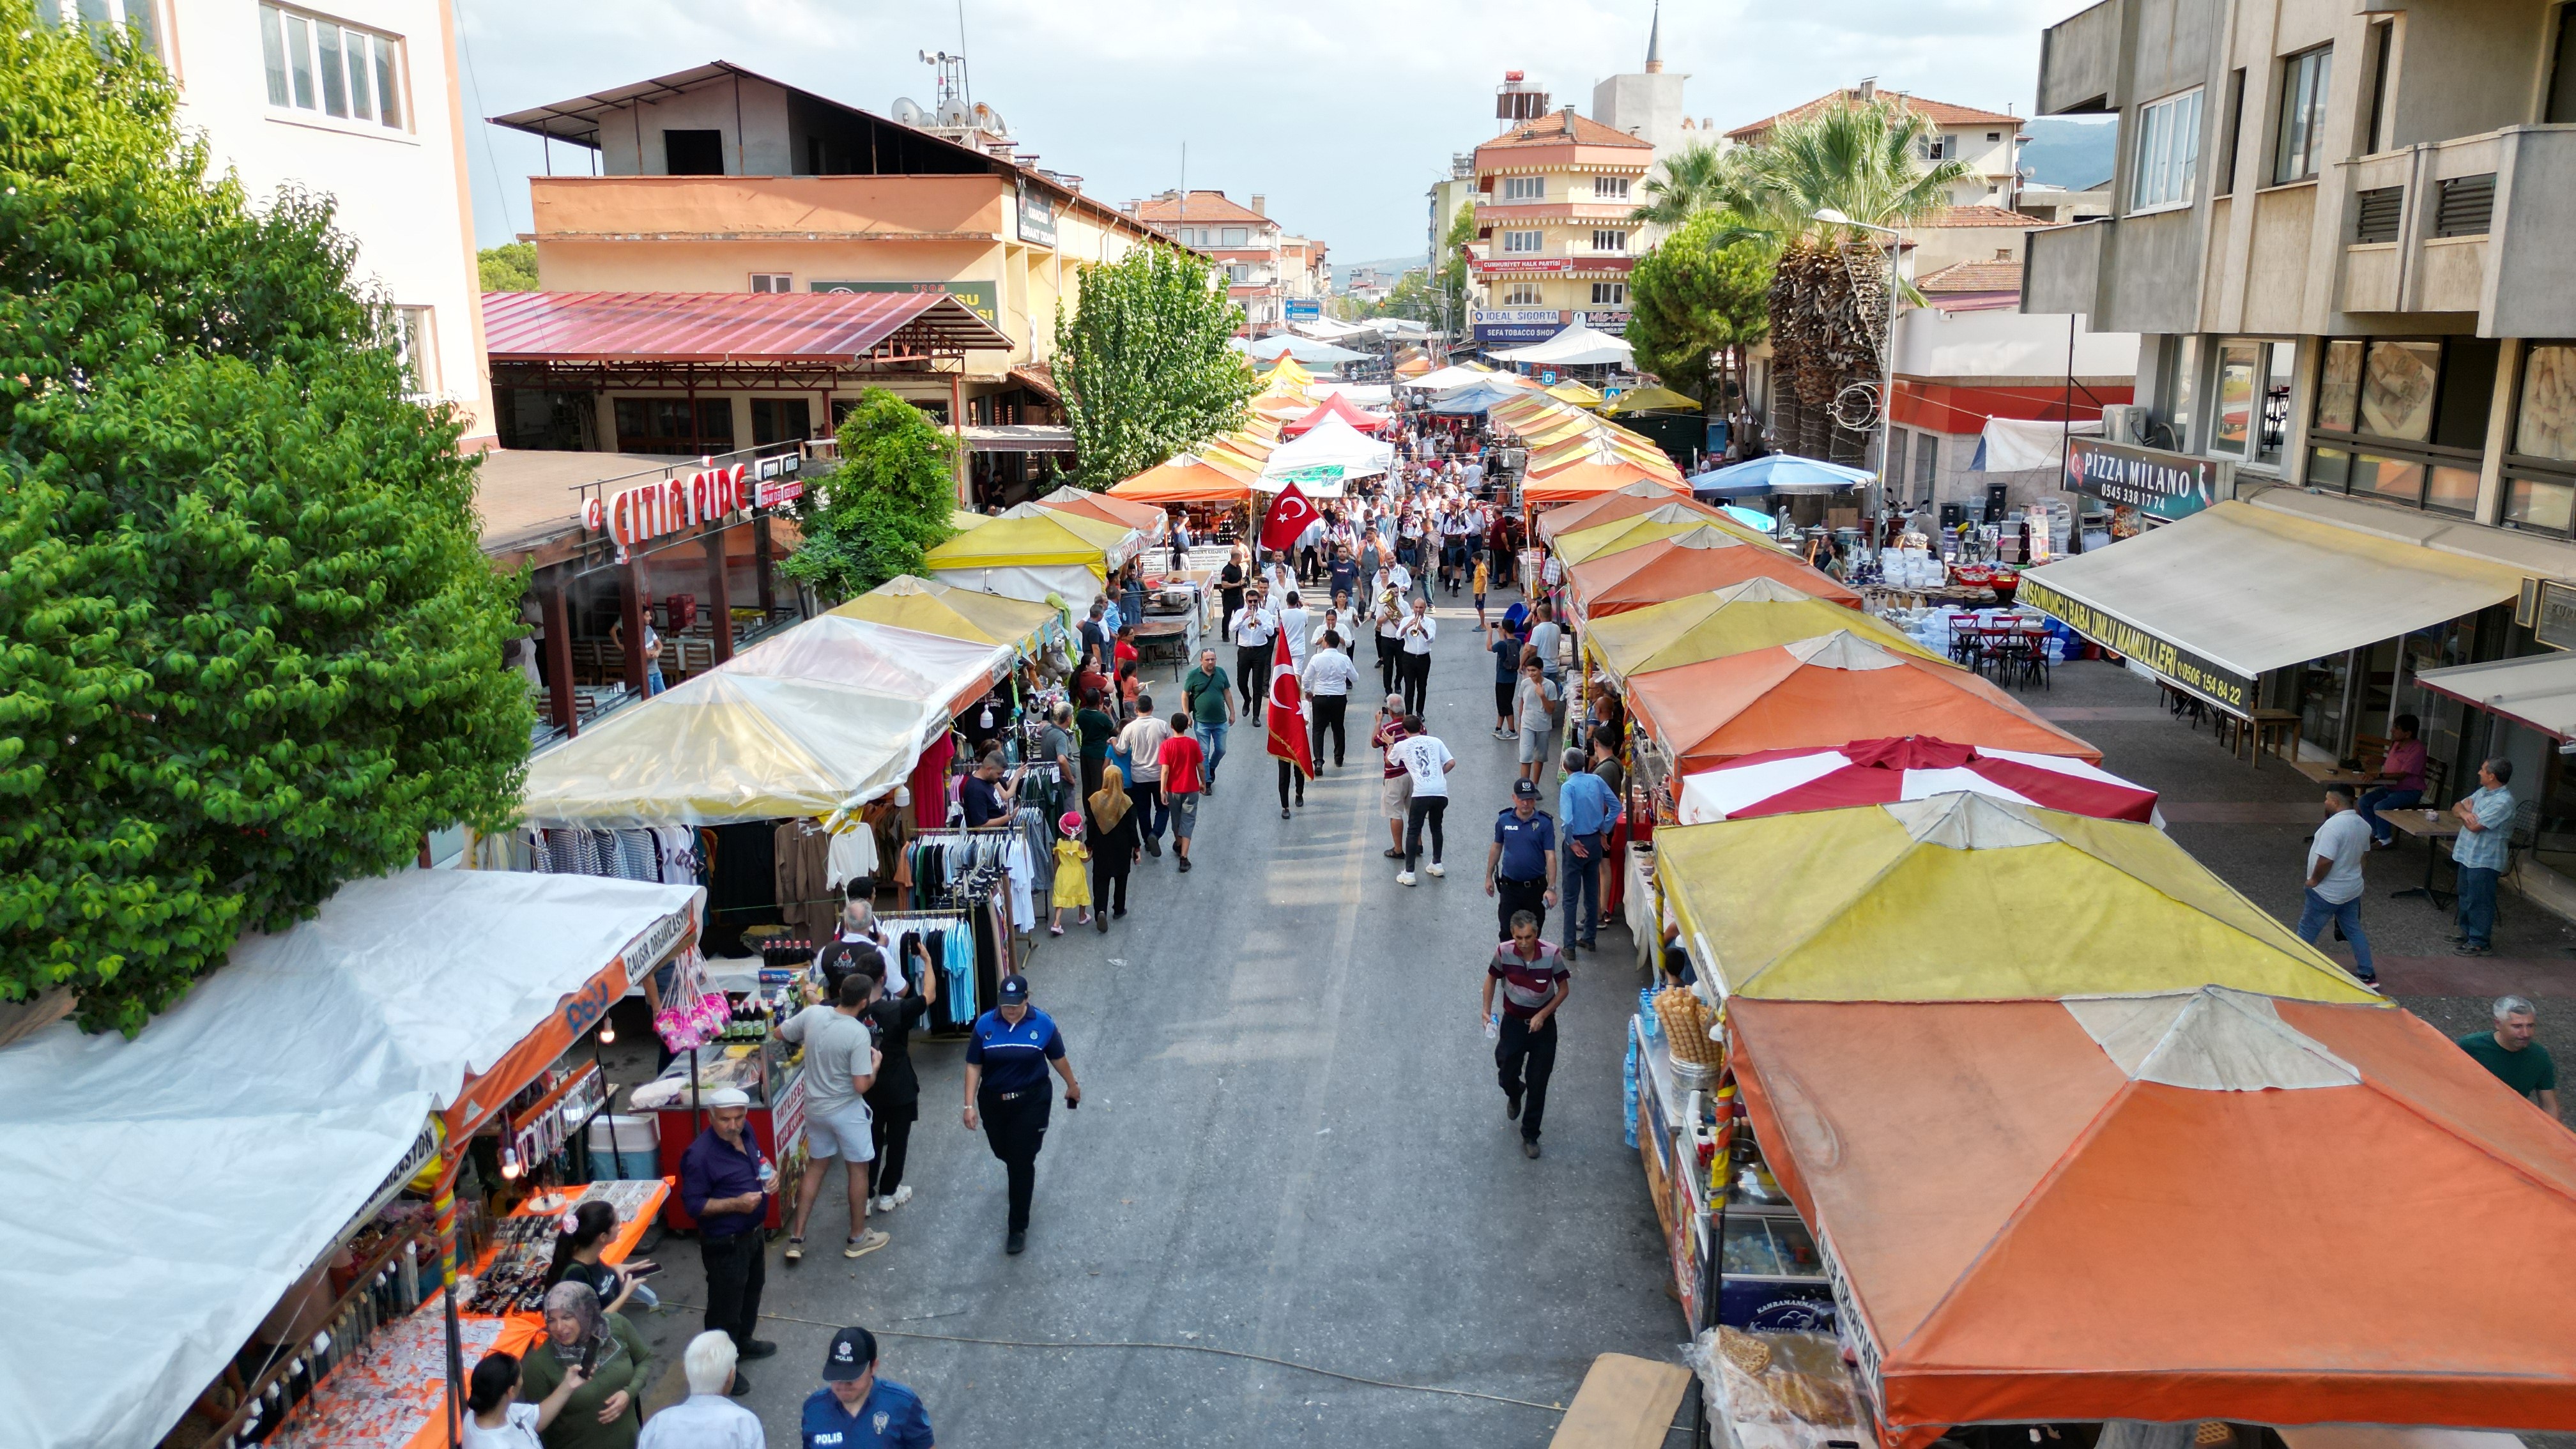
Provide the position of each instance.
(360, 103)
(2342, 232)
(1554, 236)
(1989, 141)
(1264, 266)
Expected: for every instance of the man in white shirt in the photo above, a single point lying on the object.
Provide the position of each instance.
(2334, 879)
(1291, 621)
(1328, 678)
(1253, 630)
(707, 1418)
(1414, 670)
(1427, 763)
(1544, 636)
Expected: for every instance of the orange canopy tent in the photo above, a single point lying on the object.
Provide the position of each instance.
(1820, 692)
(1413, 367)
(2170, 1208)
(1183, 478)
(1125, 512)
(1589, 479)
(1643, 496)
(1691, 563)
(1334, 405)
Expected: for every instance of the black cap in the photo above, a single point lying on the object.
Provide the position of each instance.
(1015, 989)
(853, 1349)
(1525, 789)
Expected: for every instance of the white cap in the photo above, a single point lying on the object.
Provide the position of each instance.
(726, 1097)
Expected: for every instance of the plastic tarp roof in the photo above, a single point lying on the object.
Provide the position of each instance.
(1643, 496)
(1334, 406)
(723, 327)
(931, 607)
(1145, 518)
(1673, 520)
(1183, 478)
(1653, 400)
(2538, 690)
(2251, 589)
(923, 665)
(1289, 344)
(1691, 563)
(1755, 614)
(1475, 398)
(1822, 691)
(1441, 380)
(166, 1192)
(1962, 897)
(1583, 480)
(2171, 1208)
(1114, 542)
(1579, 345)
(1882, 772)
(1333, 443)
(1054, 539)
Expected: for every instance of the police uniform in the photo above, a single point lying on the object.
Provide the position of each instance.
(890, 1417)
(1523, 842)
(1013, 1098)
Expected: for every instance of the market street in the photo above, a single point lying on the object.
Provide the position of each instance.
(1290, 1145)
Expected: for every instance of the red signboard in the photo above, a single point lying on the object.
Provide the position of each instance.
(654, 509)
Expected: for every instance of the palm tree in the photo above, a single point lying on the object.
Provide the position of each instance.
(1868, 160)
(1693, 181)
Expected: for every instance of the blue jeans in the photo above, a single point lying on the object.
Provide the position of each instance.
(2318, 910)
(1147, 799)
(2373, 800)
(1212, 742)
(2477, 886)
(1581, 890)
(653, 680)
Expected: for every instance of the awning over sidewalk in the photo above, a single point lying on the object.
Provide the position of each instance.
(2233, 591)
(2539, 691)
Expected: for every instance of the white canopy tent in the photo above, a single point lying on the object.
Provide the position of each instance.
(1333, 329)
(1333, 443)
(1579, 345)
(166, 1192)
(1456, 375)
(1357, 394)
(1304, 349)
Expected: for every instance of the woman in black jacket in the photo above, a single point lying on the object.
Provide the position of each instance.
(894, 1099)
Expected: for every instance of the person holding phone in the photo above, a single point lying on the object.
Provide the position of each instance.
(581, 1240)
(495, 1418)
(603, 1412)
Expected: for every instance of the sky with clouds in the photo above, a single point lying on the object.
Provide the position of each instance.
(1342, 112)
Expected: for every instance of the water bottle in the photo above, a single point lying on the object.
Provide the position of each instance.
(1494, 1027)
(768, 1174)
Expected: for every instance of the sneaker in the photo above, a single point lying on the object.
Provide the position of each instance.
(1153, 847)
(1185, 865)
(795, 1250)
(1404, 877)
(1529, 1147)
(1015, 1243)
(741, 1386)
(1101, 923)
(1498, 734)
(2472, 948)
(866, 1243)
(900, 1196)
(757, 1348)
(1283, 812)
(1438, 869)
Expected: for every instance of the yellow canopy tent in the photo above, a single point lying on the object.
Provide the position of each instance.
(1653, 400)
(936, 608)
(1586, 544)
(1117, 541)
(1755, 614)
(1288, 374)
(961, 519)
(1968, 898)
(1579, 394)
(1025, 558)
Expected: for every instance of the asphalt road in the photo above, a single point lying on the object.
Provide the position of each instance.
(1291, 1146)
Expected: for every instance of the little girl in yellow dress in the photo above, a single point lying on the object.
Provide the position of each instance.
(1072, 874)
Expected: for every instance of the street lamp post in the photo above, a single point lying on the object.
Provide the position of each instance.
(1886, 369)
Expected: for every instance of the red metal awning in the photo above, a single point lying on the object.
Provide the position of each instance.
(783, 328)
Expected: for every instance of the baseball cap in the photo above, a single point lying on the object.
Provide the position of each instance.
(1015, 989)
(853, 1349)
(1525, 789)
(726, 1097)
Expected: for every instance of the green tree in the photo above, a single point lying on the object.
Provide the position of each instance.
(249, 646)
(1694, 180)
(1412, 297)
(1450, 267)
(886, 505)
(511, 267)
(1143, 362)
(1698, 307)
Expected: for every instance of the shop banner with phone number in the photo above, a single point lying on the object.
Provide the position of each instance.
(2225, 688)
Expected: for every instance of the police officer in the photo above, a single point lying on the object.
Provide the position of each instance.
(857, 1410)
(1521, 866)
(1006, 1087)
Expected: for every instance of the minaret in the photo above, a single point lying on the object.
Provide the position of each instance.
(1655, 42)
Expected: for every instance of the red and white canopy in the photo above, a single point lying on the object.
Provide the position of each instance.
(1878, 772)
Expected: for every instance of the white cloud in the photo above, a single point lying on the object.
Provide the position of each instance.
(1341, 112)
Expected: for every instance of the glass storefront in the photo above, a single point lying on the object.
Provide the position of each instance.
(2403, 421)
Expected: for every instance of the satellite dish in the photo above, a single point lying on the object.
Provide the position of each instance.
(955, 114)
(908, 112)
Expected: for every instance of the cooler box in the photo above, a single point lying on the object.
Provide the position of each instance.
(624, 1149)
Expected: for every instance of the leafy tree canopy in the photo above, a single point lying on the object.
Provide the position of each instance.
(1694, 179)
(1695, 303)
(249, 647)
(886, 505)
(1143, 363)
(511, 267)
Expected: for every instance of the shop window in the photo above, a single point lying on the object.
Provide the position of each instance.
(2250, 409)
(2540, 459)
(1927, 462)
(671, 425)
(314, 63)
(2302, 140)
(779, 419)
(2404, 421)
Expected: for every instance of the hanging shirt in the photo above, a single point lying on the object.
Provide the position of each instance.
(852, 856)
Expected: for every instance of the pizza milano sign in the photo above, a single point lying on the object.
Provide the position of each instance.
(2164, 485)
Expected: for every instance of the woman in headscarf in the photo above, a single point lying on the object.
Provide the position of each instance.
(605, 1412)
(1112, 838)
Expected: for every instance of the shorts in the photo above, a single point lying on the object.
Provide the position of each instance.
(1533, 742)
(841, 1133)
(1397, 795)
(1185, 813)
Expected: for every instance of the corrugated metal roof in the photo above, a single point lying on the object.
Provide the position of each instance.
(733, 327)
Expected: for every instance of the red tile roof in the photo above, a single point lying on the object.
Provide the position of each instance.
(1972, 277)
(1551, 130)
(1939, 113)
(1984, 216)
(753, 327)
(1200, 206)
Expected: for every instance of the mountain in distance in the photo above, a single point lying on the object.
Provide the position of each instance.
(2064, 151)
(1387, 267)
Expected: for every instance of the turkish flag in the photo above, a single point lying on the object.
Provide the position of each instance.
(1285, 713)
(1290, 512)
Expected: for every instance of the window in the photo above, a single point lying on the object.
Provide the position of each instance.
(779, 419)
(773, 281)
(2168, 159)
(1927, 460)
(668, 425)
(2404, 421)
(2562, 69)
(1236, 236)
(416, 343)
(1608, 188)
(1529, 242)
(1993, 136)
(2540, 467)
(2382, 42)
(314, 63)
(1937, 148)
(1239, 272)
(693, 153)
(135, 14)
(2302, 140)
(1521, 294)
(1609, 240)
(1524, 188)
(2225, 182)
(2251, 419)
(1609, 294)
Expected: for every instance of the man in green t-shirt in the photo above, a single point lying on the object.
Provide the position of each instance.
(1095, 727)
(1211, 699)
(2510, 1053)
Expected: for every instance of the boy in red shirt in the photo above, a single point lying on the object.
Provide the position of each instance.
(1182, 783)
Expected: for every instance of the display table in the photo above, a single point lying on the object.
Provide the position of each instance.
(393, 1394)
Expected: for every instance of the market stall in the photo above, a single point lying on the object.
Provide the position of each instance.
(1184, 478)
(1643, 496)
(1689, 563)
(1331, 444)
(1821, 691)
(1677, 519)
(1118, 541)
(293, 1093)
(2153, 1208)
(1026, 558)
(1334, 406)
(931, 607)
(1884, 771)
(1757, 614)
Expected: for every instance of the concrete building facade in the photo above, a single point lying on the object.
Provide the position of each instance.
(1553, 229)
(1264, 266)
